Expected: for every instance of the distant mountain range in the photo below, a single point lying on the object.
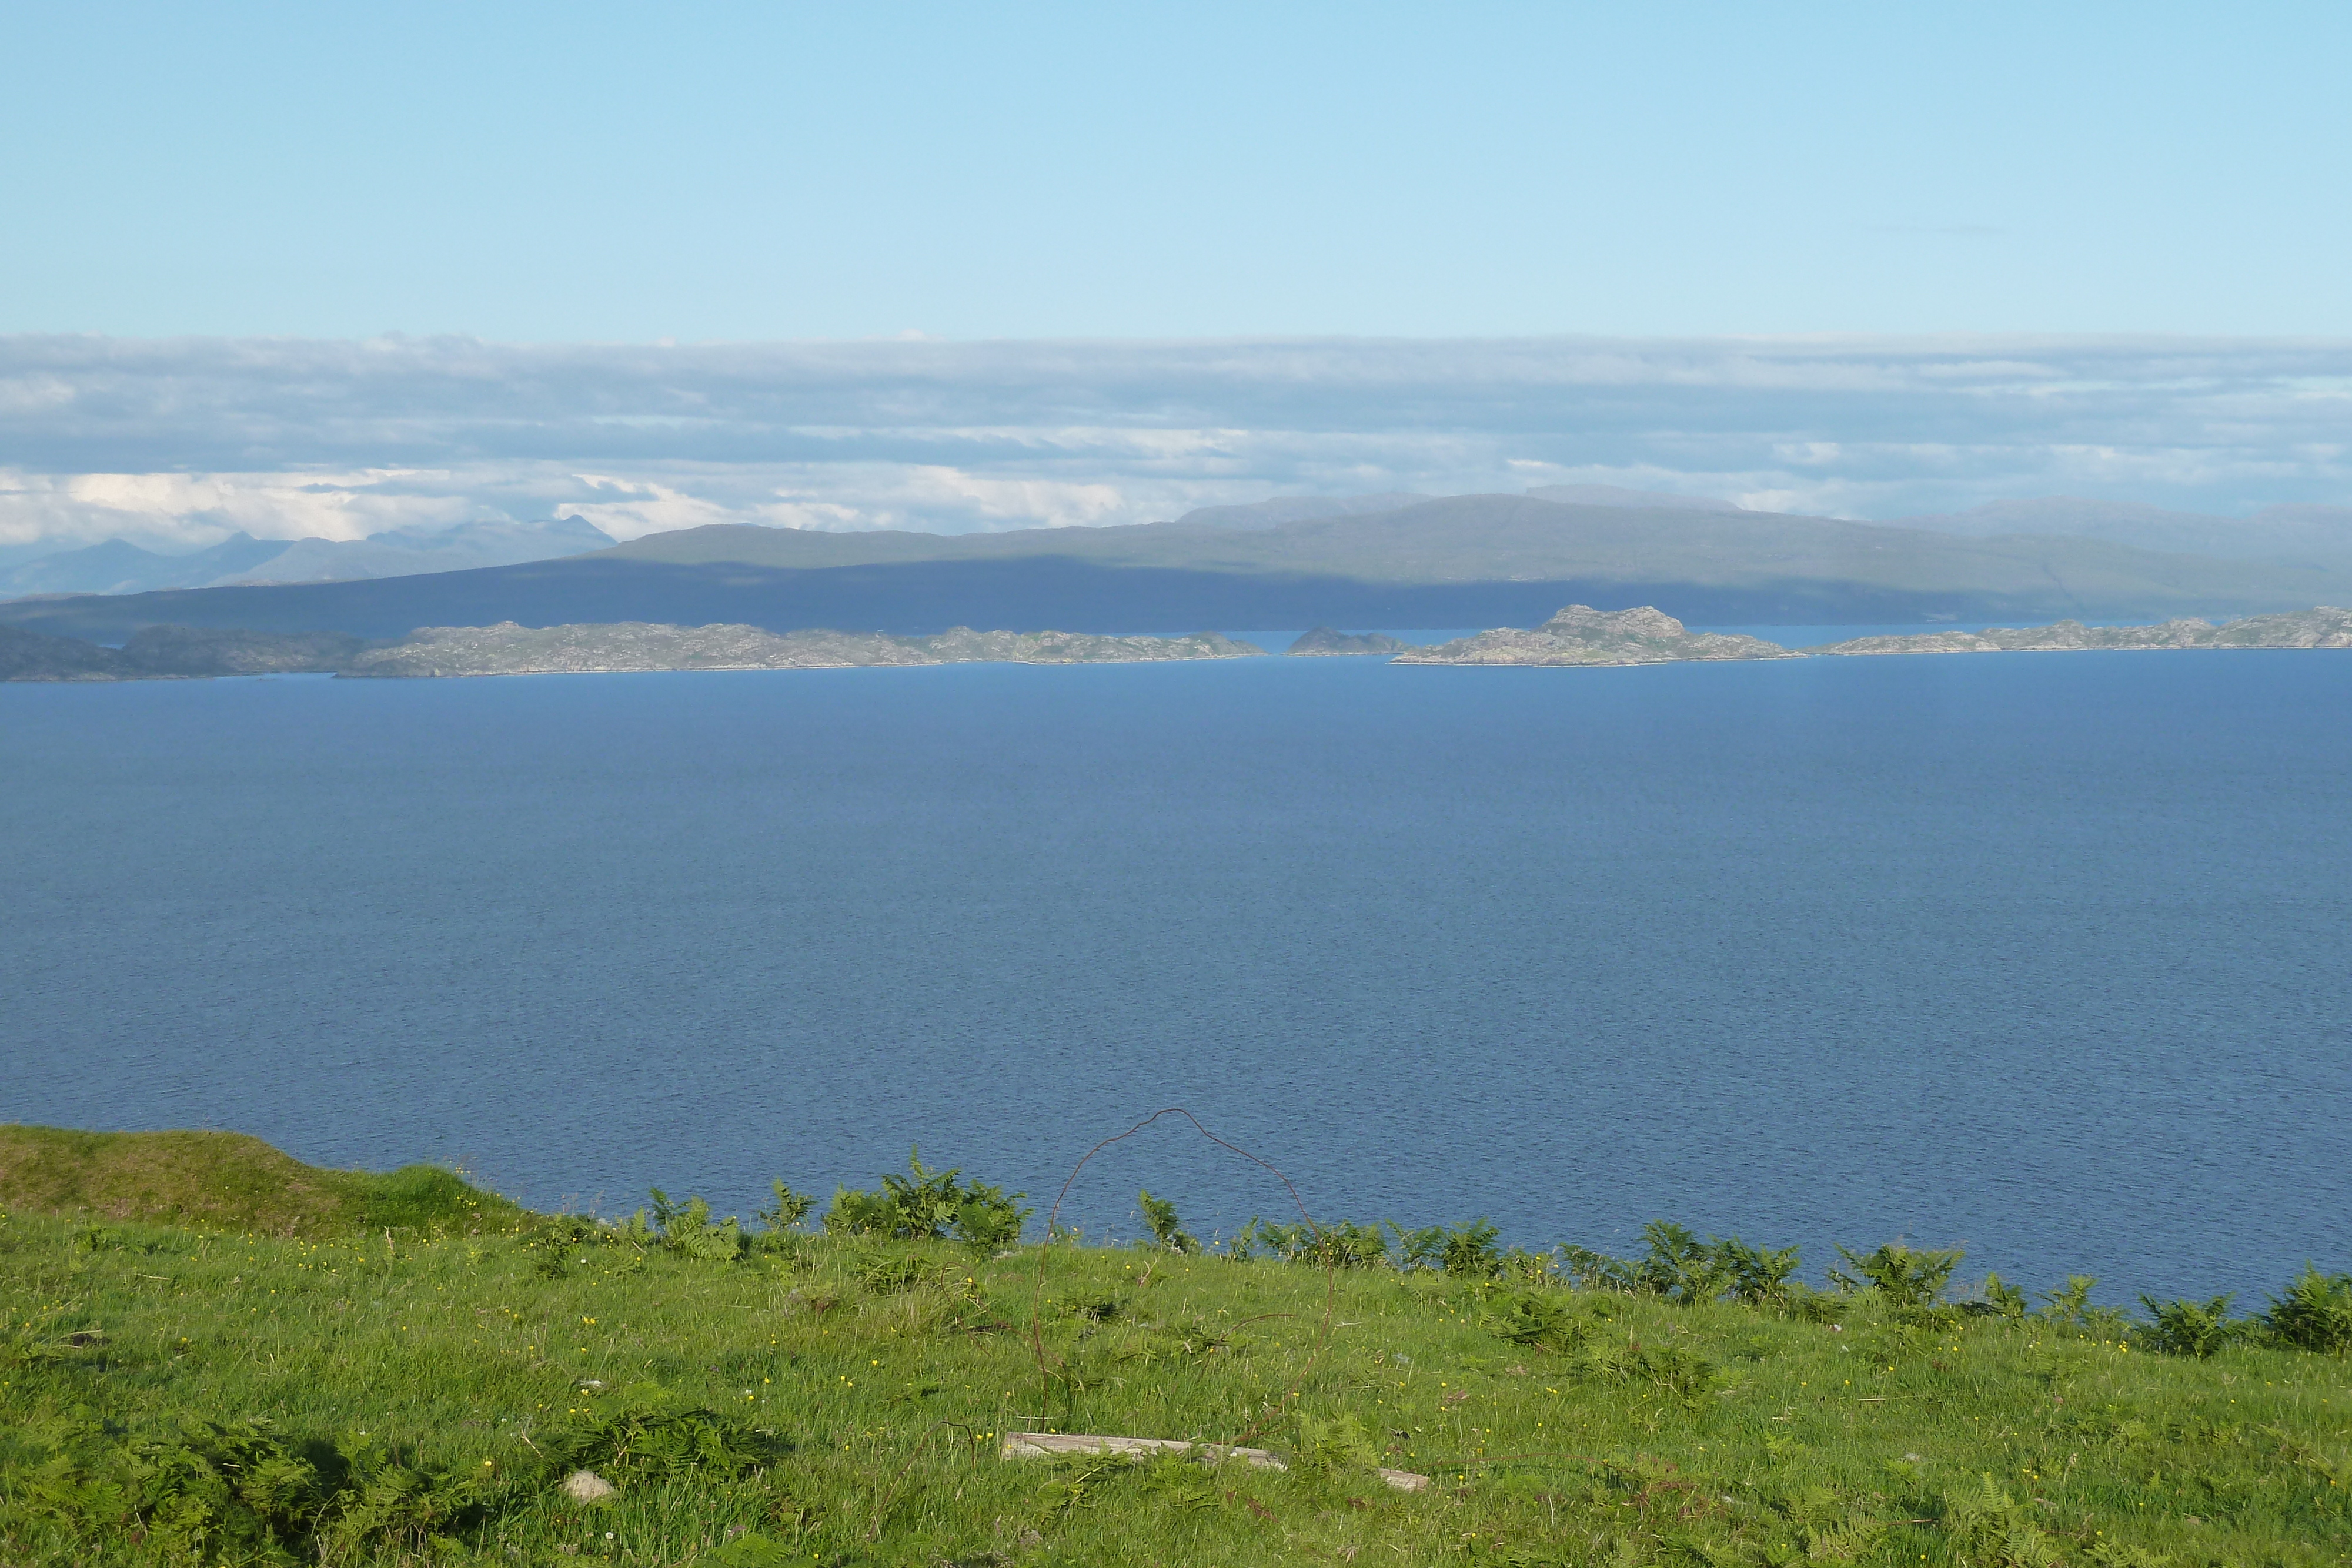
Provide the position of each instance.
(118, 566)
(1462, 560)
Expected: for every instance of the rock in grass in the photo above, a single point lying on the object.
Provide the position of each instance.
(587, 1486)
(1054, 1445)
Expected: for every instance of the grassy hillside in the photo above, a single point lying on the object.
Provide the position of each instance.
(226, 1181)
(840, 1398)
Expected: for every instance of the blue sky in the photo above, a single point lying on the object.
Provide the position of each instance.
(598, 172)
(325, 269)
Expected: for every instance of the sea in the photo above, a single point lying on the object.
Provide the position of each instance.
(2045, 957)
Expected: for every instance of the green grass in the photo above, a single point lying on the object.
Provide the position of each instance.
(227, 1181)
(839, 1400)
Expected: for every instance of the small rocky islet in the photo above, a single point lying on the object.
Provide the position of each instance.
(1324, 642)
(1579, 636)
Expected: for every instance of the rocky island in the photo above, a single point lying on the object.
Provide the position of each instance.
(1324, 642)
(964, 645)
(2325, 627)
(1581, 634)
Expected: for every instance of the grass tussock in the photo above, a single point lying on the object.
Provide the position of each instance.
(228, 1181)
(682, 1388)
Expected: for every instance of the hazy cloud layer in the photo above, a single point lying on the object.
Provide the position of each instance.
(183, 441)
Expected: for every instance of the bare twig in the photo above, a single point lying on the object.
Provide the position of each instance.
(1036, 1305)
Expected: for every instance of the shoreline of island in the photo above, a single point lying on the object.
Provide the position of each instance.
(1582, 637)
(1579, 636)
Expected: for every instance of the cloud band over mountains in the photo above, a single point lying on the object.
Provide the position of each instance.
(182, 441)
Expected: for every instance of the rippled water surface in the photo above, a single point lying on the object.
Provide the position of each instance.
(2043, 953)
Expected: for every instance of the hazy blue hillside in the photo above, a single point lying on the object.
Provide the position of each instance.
(1511, 538)
(118, 566)
(1470, 560)
(1280, 509)
(2320, 536)
(403, 552)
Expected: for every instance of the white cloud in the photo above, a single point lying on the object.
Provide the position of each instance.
(647, 509)
(183, 441)
(195, 509)
(1024, 503)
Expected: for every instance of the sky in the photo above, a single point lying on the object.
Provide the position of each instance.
(1118, 189)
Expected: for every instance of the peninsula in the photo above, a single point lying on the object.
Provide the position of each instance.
(632, 646)
(181, 652)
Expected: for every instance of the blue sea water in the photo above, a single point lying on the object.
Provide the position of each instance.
(2045, 955)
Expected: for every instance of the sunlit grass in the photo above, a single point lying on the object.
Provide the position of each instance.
(852, 1391)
